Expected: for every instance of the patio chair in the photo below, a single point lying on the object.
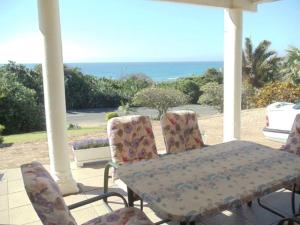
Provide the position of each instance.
(293, 146)
(50, 206)
(131, 139)
(180, 130)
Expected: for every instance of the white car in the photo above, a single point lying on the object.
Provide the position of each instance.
(279, 120)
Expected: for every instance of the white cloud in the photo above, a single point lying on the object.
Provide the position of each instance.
(25, 48)
(78, 52)
(28, 48)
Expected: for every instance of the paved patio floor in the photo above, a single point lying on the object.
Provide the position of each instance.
(15, 207)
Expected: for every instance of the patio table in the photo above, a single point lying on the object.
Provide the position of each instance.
(191, 185)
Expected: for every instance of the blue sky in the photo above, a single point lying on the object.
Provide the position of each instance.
(141, 30)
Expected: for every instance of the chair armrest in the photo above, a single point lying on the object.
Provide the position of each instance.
(97, 198)
(112, 164)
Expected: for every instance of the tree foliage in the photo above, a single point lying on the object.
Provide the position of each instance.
(212, 95)
(133, 83)
(248, 93)
(260, 65)
(190, 88)
(22, 97)
(276, 92)
(160, 99)
(291, 66)
(110, 115)
(1, 131)
(19, 108)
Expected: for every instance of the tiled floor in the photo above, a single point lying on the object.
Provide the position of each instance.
(15, 207)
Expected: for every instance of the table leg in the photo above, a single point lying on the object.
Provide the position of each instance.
(130, 197)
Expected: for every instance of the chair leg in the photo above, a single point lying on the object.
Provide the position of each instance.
(293, 199)
(105, 182)
(130, 197)
(249, 204)
(142, 204)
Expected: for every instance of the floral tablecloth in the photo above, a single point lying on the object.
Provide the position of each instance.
(193, 184)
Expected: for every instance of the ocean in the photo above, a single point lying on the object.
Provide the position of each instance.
(158, 71)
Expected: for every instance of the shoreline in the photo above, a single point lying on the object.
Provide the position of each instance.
(157, 71)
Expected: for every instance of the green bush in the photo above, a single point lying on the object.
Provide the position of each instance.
(19, 108)
(212, 75)
(212, 95)
(189, 88)
(110, 115)
(72, 126)
(160, 98)
(277, 92)
(248, 93)
(124, 108)
(133, 83)
(1, 130)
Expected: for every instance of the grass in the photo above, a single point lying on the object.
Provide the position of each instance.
(42, 135)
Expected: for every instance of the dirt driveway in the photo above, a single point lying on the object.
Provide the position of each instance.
(96, 117)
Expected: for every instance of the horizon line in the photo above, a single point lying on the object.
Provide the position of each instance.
(93, 62)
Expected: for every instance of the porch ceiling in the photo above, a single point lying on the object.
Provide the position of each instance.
(249, 5)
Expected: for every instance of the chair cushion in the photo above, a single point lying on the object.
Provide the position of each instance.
(125, 216)
(131, 139)
(293, 142)
(181, 131)
(45, 195)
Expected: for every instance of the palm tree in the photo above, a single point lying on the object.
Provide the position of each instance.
(260, 65)
(291, 65)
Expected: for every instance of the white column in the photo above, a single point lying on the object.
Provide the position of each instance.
(233, 26)
(54, 95)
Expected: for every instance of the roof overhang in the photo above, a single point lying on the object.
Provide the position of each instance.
(248, 5)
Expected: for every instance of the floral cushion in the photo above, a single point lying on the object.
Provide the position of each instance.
(125, 216)
(45, 195)
(131, 139)
(293, 142)
(181, 131)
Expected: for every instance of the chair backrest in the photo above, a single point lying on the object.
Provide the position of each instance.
(45, 195)
(293, 142)
(131, 139)
(180, 130)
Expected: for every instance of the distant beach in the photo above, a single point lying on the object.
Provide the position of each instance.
(158, 71)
